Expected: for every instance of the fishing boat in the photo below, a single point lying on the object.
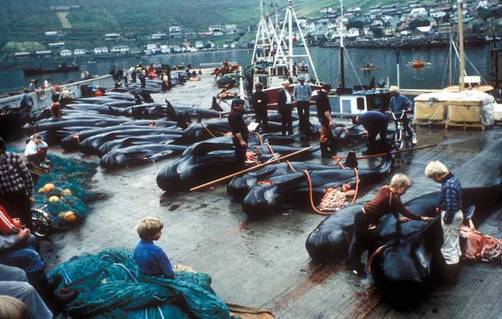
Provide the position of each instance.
(62, 68)
(274, 59)
(417, 64)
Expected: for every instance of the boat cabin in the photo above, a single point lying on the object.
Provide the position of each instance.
(363, 101)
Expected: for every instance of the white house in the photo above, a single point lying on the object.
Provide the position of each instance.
(152, 47)
(43, 52)
(22, 54)
(65, 52)
(158, 36)
(199, 45)
(112, 36)
(418, 13)
(56, 44)
(120, 49)
(215, 28)
(79, 51)
(100, 50)
(164, 49)
(174, 29)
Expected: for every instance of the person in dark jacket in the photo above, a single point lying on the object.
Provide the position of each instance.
(375, 123)
(142, 79)
(16, 186)
(387, 201)
(239, 130)
(260, 102)
(285, 108)
(26, 104)
(451, 214)
(326, 139)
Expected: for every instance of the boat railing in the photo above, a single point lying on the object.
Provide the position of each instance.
(43, 99)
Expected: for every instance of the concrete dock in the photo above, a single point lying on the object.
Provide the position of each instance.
(264, 263)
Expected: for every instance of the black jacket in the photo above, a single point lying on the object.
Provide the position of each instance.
(259, 96)
(282, 99)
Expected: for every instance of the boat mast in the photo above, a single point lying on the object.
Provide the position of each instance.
(289, 16)
(340, 30)
(289, 19)
(460, 9)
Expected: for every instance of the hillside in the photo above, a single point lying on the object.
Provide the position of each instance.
(87, 21)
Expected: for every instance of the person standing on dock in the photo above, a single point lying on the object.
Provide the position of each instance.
(142, 79)
(260, 102)
(398, 105)
(239, 130)
(301, 94)
(285, 108)
(326, 140)
(451, 216)
(26, 104)
(16, 186)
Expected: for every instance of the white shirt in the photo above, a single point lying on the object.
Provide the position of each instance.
(288, 97)
(32, 148)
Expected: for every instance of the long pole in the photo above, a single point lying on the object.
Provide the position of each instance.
(397, 152)
(290, 34)
(250, 169)
(397, 68)
(340, 30)
(460, 9)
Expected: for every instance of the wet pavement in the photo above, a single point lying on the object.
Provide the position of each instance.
(264, 263)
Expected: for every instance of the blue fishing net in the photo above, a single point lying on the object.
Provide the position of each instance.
(68, 202)
(111, 286)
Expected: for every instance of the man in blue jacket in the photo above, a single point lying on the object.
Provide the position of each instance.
(451, 214)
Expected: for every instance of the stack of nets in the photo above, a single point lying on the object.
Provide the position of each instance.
(111, 286)
(64, 191)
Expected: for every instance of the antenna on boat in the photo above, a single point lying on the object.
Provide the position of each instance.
(342, 48)
(460, 9)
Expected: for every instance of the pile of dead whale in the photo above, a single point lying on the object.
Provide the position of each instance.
(401, 263)
(277, 189)
(210, 159)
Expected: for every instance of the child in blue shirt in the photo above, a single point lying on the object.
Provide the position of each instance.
(150, 258)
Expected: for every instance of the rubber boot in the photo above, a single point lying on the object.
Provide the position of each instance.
(324, 150)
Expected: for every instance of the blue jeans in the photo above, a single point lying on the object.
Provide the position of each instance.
(24, 256)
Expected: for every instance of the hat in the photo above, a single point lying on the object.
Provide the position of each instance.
(301, 78)
(237, 102)
(394, 88)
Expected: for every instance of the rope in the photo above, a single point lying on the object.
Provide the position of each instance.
(311, 191)
(291, 166)
(374, 254)
(207, 129)
(260, 138)
(311, 195)
(356, 172)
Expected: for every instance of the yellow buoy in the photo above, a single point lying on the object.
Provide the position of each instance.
(53, 199)
(68, 216)
(67, 192)
(49, 187)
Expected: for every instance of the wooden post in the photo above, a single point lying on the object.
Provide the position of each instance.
(224, 178)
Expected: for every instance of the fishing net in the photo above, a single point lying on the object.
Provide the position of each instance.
(64, 192)
(111, 286)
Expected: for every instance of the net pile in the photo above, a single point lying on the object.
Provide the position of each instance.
(64, 191)
(110, 286)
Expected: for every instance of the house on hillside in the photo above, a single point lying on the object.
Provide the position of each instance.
(65, 53)
(158, 36)
(100, 50)
(120, 49)
(112, 36)
(23, 54)
(56, 45)
(215, 28)
(79, 52)
(164, 49)
(230, 28)
(43, 53)
(54, 34)
(419, 12)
